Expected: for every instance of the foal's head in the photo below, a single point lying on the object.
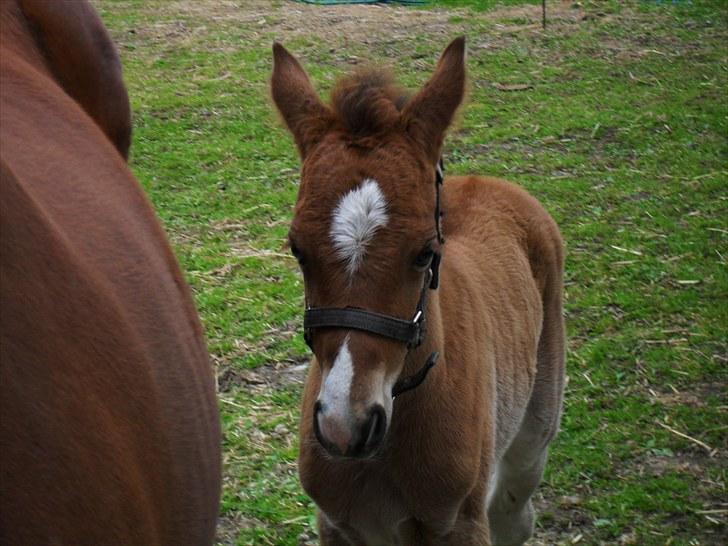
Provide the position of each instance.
(364, 229)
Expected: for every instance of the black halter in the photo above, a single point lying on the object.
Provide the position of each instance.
(411, 332)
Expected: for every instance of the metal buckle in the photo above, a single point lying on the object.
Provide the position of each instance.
(418, 322)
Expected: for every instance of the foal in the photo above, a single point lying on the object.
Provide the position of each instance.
(390, 454)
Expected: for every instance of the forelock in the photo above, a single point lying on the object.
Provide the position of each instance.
(367, 102)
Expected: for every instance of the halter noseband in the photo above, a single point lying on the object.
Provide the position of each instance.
(411, 332)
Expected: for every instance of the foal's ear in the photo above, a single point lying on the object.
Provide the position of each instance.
(296, 100)
(430, 112)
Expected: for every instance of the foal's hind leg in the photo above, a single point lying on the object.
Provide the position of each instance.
(510, 511)
(519, 472)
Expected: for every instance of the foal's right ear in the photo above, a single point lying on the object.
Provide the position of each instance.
(296, 100)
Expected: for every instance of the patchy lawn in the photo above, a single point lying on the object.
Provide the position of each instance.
(615, 116)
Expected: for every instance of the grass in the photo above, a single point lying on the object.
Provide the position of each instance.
(615, 117)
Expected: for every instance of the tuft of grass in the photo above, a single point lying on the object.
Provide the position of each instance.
(614, 117)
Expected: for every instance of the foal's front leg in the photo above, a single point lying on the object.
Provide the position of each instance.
(469, 533)
(471, 526)
(331, 535)
(465, 533)
(470, 529)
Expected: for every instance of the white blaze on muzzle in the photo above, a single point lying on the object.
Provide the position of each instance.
(335, 393)
(336, 385)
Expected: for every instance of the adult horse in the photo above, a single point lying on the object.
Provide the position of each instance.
(109, 429)
(390, 454)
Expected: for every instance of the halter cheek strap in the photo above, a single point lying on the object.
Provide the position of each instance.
(411, 332)
(437, 257)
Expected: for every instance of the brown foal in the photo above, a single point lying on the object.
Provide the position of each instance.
(455, 456)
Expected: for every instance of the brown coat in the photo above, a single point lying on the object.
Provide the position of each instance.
(109, 424)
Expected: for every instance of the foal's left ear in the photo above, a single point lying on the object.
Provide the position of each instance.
(431, 111)
(299, 105)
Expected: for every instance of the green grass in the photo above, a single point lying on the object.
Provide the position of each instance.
(622, 133)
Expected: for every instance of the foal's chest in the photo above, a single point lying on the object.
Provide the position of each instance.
(370, 506)
(379, 522)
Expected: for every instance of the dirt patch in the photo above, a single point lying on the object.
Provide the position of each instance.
(183, 24)
(288, 20)
(511, 19)
(656, 465)
(268, 376)
(230, 525)
(559, 520)
(696, 397)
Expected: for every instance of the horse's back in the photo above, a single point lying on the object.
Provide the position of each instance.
(109, 422)
(480, 208)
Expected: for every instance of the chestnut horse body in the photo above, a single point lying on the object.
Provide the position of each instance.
(455, 460)
(109, 429)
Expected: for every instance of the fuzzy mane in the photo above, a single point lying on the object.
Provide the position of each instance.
(367, 102)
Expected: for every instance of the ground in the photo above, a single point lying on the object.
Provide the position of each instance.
(614, 116)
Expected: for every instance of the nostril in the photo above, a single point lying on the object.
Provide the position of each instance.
(373, 429)
(316, 425)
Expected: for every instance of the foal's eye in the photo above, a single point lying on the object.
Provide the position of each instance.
(424, 258)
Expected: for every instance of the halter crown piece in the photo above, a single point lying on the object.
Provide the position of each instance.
(412, 332)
